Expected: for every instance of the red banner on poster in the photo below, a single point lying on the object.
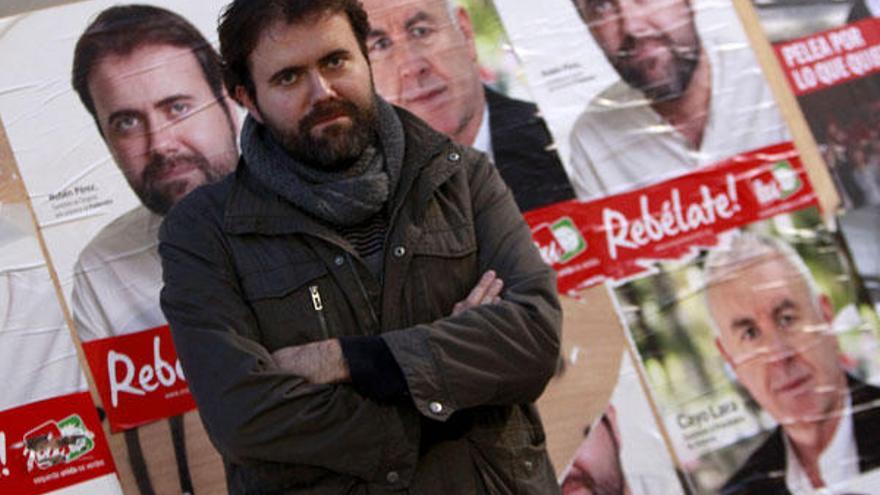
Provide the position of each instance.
(617, 237)
(52, 444)
(139, 377)
(832, 57)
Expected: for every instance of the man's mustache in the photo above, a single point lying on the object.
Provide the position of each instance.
(324, 110)
(160, 164)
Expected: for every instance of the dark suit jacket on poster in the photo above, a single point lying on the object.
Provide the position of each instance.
(521, 148)
(764, 471)
(858, 11)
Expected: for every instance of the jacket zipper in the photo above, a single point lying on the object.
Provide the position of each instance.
(319, 309)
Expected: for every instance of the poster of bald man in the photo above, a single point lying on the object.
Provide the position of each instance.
(762, 359)
(638, 92)
(446, 62)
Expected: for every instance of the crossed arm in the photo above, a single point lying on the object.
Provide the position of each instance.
(323, 362)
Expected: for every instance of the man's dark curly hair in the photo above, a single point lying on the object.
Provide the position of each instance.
(243, 21)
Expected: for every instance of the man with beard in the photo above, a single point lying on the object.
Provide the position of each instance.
(682, 101)
(319, 297)
(773, 327)
(154, 87)
(424, 58)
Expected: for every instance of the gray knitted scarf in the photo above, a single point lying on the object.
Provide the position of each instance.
(342, 198)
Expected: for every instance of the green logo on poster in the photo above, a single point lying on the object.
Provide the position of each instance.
(569, 238)
(54, 443)
(83, 440)
(787, 178)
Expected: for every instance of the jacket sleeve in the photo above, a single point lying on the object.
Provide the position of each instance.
(497, 354)
(253, 410)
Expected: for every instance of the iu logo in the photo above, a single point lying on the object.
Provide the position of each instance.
(783, 185)
(54, 443)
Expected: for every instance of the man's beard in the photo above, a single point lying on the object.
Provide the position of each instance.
(159, 196)
(338, 145)
(676, 78)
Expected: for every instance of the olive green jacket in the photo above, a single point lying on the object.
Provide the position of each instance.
(247, 273)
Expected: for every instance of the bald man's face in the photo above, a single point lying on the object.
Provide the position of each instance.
(778, 338)
(425, 61)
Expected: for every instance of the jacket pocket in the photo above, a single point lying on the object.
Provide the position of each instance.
(514, 470)
(443, 270)
(292, 303)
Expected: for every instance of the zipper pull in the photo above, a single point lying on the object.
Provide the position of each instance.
(316, 298)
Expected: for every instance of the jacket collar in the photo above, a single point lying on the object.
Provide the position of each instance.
(251, 208)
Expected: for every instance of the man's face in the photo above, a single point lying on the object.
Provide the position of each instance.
(778, 339)
(167, 131)
(426, 63)
(313, 90)
(653, 44)
(596, 467)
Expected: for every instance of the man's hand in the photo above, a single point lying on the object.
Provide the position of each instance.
(487, 291)
(323, 363)
(318, 362)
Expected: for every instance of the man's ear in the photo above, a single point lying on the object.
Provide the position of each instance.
(467, 29)
(244, 97)
(231, 108)
(723, 352)
(825, 308)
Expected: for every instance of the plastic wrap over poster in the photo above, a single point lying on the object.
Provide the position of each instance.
(621, 236)
(640, 92)
(113, 114)
(762, 360)
(50, 435)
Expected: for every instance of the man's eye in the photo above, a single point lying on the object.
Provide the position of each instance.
(600, 7)
(786, 321)
(125, 125)
(751, 333)
(335, 63)
(288, 78)
(380, 44)
(179, 109)
(419, 32)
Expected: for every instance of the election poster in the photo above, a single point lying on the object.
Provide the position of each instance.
(113, 113)
(451, 65)
(830, 60)
(750, 345)
(746, 316)
(640, 92)
(51, 439)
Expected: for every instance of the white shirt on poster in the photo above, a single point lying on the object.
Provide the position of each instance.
(838, 463)
(118, 277)
(620, 143)
(483, 140)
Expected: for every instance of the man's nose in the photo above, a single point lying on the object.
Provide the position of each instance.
(778, 347)
(411, 62)
(163, 137)
(634, 17)
(320, 88)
